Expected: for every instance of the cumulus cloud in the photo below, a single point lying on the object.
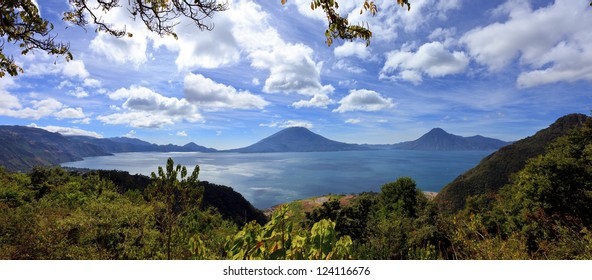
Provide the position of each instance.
(364, 100)
(391, 17)
(355, 49)
(345, 66)
(208, 94)
(92, 83)
(210, 49)
(44, 65)
(78, 92)
(289, 123)
(146, 108)
(12, 107)
(82, 121)
(182, 133)
(68, 131)
(430, 59)
(9, 101)
(70, 113)
(38, 109)
(319, 101)
(75, 68)
(292, 70)
(562, 52)
(137, 119)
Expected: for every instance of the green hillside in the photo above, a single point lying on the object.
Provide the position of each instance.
(494, 171)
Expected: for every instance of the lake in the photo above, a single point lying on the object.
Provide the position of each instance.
(268, 179)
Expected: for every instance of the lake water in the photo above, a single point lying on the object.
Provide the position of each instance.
(269, 179)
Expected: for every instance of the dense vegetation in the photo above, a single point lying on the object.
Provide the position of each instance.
(544, 212)
(494, 171)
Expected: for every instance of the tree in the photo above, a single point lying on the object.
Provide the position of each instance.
(20, 22)
(339, 26)
(173, 197)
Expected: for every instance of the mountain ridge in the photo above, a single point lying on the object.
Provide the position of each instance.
(297, 139)
(495, 170)
(23, 147)
(438, 139)
(19, 152)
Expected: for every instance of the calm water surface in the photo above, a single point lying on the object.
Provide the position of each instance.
(272, 178)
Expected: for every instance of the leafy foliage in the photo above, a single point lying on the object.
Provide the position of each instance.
(494, 171)
(340, 27)
(22, 24)
(278, 240)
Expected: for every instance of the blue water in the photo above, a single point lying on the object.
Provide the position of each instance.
(272, 178)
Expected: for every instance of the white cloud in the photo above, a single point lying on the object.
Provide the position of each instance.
(208, 94)
(364, 100)
(130, 134)
(446, 35)
(44, 64)
(78, 92)
(65, 84)
(293, 123)
(91, 83)
(431, 59)
(146, 108)
(349, 49)
(345, 66)
(348, 83)
(562, 52)
(75, 68)
(68, 131)
(210, 49)
(319, 101)
(70, 113)
(82, 121)
(38, 109)
(353, 121)
(255, 82)
(9, 101)
(120, 50)
(391, 17)
(182, 133)
(137, 119)
(289, 123)
(292, 70)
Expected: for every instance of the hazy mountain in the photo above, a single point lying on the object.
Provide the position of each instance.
(125, 145)
(23, 147)
(297, 139)
(494, 171)
(439, 140)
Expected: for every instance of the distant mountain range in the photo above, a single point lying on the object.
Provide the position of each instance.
(439, 140)
(21, 147)
(297, 139)
(125, 145)
(494, 171)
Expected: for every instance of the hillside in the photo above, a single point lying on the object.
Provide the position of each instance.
(24, 147)
(297, 139)
(439, 140)
(126, 145)
(495, 170)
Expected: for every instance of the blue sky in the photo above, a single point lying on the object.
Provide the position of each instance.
(502, 69)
